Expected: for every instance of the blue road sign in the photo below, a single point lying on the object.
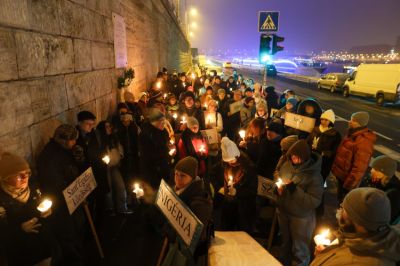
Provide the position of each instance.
(268, 21)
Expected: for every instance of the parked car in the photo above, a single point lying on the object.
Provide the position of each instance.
(271, 70)
(227, 65)
(380, 81)
(332, 81)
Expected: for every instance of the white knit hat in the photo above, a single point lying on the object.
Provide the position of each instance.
(329, 115)
(229, 149)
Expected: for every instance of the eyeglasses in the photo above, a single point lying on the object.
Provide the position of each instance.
(22, 175)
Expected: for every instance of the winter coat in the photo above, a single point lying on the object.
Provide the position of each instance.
(193, 112)
(246, 115)
(233, 123)
(377, 249)
(23, 248)
(189, 145)
(270, 152)
(214, 120)
(223, 107)
(272, 100)
(392, 189)
(304, 195)
(325, 143)
(128, 139)
(353, 156)
(153, 152)
(253, 147)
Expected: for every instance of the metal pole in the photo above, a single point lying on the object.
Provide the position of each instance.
(265, 75)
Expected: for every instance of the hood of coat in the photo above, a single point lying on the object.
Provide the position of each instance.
(384, 244)
(307, 169)
(196, 189)
(365, 133)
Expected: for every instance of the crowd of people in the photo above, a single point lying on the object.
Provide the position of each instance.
(162, 135)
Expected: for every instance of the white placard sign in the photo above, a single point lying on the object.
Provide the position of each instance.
(120, 51)
(211, 135)
(266, 188)
(299, 122)
(182, 219)
(78, 190)
(235, 107)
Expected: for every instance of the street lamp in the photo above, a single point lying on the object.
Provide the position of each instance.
(191, 34)
(194, 25)
(193, 12)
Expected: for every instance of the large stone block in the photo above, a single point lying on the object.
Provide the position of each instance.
(14, 13)
(81, 88)
(59, 54)
(102, 28)
(102, 55)
(56, 94)
(44, 16)
(41, 133)
(83, 55)
(15, 106)
(30, 54)
(8, 56)
(102, 81)
(101, 6)
(104, 107)
(76, 21)
(18, 142)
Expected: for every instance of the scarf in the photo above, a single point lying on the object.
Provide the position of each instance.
(21, 195)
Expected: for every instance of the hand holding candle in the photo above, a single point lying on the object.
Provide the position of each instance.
(175, 116)
(45, 208)
(138, 191)
(231, 189)
(202, 149)
(106, 159)
(183, 120)
(242, 134)
(279, 183)
(323, 238)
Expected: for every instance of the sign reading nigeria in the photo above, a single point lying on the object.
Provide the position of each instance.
(182, 219)
(78, 190)
(268, 21)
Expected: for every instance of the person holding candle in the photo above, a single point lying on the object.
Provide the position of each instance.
(212, 117)
(233, 121)
(235, 179)
(57, 169)
(192, 143)
(188, 109)
(297, 201)
(247, 112)
(254, 135)
(365, 236)
(24, 231)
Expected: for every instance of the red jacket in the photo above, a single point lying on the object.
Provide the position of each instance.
(353, 156)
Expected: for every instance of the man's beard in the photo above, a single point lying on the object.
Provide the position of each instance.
(344, 225)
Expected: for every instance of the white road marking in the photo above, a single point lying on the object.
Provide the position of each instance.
(389, 152)
(383, 136)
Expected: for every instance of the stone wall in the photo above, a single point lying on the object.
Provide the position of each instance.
(57, 58)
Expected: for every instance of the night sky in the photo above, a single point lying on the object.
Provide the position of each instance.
(307, 25)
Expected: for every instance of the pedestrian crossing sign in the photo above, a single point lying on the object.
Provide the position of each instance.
(268, 21)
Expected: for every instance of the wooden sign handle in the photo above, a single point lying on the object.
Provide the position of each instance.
(96, 238)
(163, 250)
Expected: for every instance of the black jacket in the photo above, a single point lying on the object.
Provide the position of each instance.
(193, 112)
(270, 152)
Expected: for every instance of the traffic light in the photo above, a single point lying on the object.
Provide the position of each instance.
(275, 41)
(265, 48)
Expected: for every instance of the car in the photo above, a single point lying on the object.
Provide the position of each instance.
(332, 81)
(227, 65)
(271, 70)
(380, 81)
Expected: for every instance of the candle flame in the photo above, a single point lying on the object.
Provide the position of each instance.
(45, 205)
(322, 238)
(242, 134)
(183, 120)
(138, 190)
(158, 85)
(171, 151)
(106, 159)
(279, 183)
(175, 116)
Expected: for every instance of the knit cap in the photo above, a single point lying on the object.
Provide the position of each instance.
(188, 165)
(293, 101)
(300, 149)
(229, 149)
(384, 164)
(361, 117)
(65, 132)
(287, 142)
(276, 127)
(329, 115)
(11, 164)
(368, 207)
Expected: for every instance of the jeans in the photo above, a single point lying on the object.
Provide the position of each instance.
(296, 237)
(116, 198)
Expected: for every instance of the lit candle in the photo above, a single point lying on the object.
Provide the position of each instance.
(183, 120)
(106, 159)
(242, 134)
(322, 239)
(172, 151)
(201, 80)
(165, 95)
(138, 191)
(202, 149)
(209, 119)
(45, 205)
(205, 105)
(193, 76)
(171, 141)
(230, 181)
(184, 84)
(279, 183)
(175, 116)
(158, 84)
(230, 89)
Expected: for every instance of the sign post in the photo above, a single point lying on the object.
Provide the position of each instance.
(76, 193)
(268, 21)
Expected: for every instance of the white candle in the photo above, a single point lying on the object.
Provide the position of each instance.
(230, 181)
(165, 95)
(322, 239)
(202, 149)
(209, 119)
(183, 120)
(138, 191)
(184, 84)
(106, 159)
(205, 105)
(242, 134)
(175, 116)
(279, 183)
(158, 85)
(172, 151)
(45, 205)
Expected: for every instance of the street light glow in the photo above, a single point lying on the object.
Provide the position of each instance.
(191, 34)
(194, 25)
(193, 12)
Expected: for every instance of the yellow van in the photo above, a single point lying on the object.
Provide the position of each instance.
(381, 81)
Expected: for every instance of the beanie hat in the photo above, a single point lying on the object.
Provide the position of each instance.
(221, 91)
(276, 127)
(329, 115)
(300, 149)
(248, 89)
(293, 101)
(85, 115)
(368, 207)
(287, 142)
(128, 96)
(188, 165)
(384, 164)
(209, 88)
(11, 164)
(192, 121)
(361, 117)
(229, 150)
(155, 114)
(270, 89)
(65, 132)
(188, 94)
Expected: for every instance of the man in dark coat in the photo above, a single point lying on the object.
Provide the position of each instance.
(154, 149)
(57, 169)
